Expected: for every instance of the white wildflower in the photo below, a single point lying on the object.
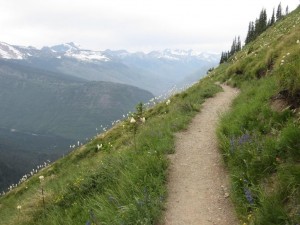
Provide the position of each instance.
(19, 207)
(168, 102)
(41, 178)
(143, 120)
(132, 120)
(298, 42)
(99, 146)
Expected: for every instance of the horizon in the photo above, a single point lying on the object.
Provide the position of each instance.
(108, 49)
(137, 26)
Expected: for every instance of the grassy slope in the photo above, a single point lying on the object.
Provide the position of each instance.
(261, 145)
(120, 183)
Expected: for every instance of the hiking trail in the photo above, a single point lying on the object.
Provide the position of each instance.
(198, 184)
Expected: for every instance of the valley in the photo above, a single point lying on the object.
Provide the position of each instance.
(54, 97)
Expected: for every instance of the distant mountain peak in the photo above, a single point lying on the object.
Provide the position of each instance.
(180, 54)
(9, 52)
(74, 51)
(66, 47)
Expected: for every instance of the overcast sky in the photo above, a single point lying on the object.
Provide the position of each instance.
(135, 25)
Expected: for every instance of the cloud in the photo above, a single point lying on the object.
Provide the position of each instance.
(131, 24)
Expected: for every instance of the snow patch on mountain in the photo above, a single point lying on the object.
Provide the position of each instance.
(178, 54)
(9, 52)
(86, 55)
(66, 47)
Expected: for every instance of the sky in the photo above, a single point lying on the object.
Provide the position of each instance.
(134, 25)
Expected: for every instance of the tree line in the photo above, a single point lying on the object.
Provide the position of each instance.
(255, 28)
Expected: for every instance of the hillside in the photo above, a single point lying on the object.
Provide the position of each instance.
(43, 113)
(259, 138)
(122, 169)
(120, 177)
(51, 102)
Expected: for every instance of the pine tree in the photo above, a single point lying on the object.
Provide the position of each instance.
(261, 23)
(222, 58)
(233, 47)
(251, 33)
(279, 12)
(272, 21)
(248, 37)
(239, 44)
(287, 10)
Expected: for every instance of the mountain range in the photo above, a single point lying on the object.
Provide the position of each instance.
(143, 70)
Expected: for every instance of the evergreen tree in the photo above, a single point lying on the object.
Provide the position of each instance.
(287, 10)
(279, 12)
(233, 47)
(239, 44)
(251, 35)
(256, 29)
(272, 21)
(222, 58)
(248, 37)
(252, 31)
(261, 23)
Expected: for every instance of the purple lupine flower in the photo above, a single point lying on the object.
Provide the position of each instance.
(248, 196)
(244, 139)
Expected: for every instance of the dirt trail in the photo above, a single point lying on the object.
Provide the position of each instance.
(198, 183)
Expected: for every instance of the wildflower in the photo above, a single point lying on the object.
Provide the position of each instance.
(99, 146)
(143, 120)
(298, 42)
(282, 61)
(41, 178)
(244, 139)
(19, 207)
(132, 120)
(168, 102)
(248, 196)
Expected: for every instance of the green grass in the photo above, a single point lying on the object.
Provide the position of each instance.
(261, 145)
(122, 183)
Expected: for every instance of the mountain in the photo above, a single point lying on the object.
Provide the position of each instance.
(43, 112)
(167, 67)
(46, 102)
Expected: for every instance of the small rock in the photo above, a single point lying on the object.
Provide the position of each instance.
(226, 195)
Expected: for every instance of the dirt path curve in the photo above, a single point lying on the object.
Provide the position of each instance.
(198, 183)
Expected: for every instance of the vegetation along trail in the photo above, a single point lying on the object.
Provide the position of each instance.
(198, 183)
